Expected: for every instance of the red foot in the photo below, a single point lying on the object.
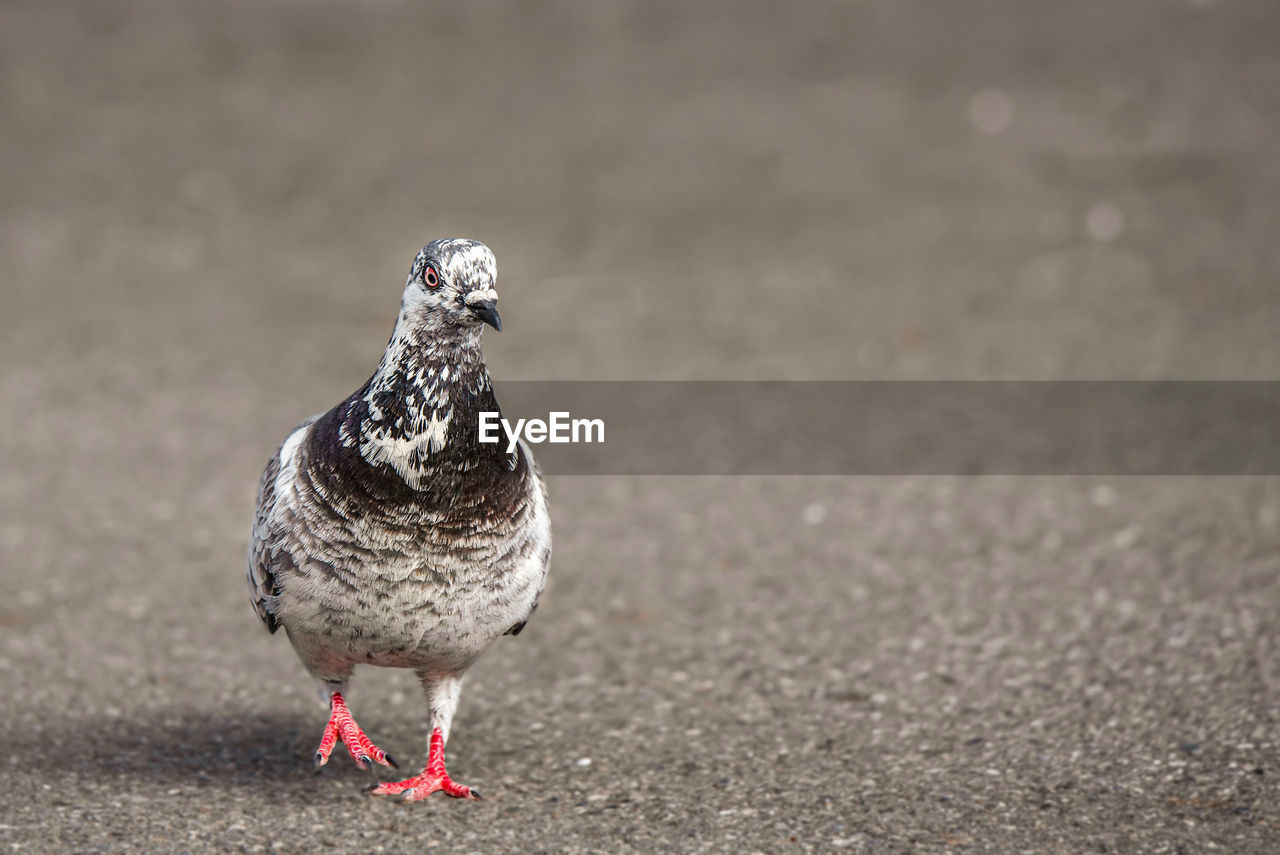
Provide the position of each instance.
(432, 780)
(342, 726)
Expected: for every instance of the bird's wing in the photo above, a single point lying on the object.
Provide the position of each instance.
(542, 530)
(262, 581)
(265, 554)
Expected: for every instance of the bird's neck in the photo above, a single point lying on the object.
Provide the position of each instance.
(409, 437)
(423, 375)
(419, 412)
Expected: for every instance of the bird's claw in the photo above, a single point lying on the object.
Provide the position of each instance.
(342, 727)
(433, 779)
(418, 788)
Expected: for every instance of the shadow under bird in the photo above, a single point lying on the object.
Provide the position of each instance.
(387, 534)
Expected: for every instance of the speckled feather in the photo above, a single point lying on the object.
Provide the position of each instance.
(385, 533)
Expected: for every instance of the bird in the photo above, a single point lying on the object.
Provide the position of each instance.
(387, 534)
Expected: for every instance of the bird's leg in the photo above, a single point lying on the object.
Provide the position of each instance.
(442, 696)
(342, 726)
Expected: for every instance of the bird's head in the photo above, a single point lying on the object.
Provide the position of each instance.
(451, 286)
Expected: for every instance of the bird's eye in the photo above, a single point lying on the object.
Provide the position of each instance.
(430, 278)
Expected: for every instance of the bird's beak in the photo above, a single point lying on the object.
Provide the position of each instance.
(487, 312)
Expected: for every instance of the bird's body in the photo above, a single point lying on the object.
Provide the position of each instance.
(386, 533)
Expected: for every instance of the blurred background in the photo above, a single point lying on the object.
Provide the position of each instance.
(207, 214)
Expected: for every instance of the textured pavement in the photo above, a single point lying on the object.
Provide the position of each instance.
(207, 213)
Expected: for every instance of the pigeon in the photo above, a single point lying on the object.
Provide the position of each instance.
(387, 534)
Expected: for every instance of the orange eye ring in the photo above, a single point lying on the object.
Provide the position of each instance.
(430, 278)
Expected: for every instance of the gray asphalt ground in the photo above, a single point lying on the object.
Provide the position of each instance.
(208, 211)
